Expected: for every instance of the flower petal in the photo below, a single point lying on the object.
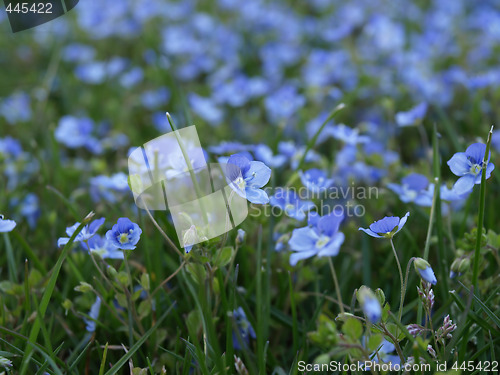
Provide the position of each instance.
(459, 164)
(464, 184)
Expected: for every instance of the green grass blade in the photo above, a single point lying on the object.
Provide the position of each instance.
(35, 330)
(123, 360)
(480, 217)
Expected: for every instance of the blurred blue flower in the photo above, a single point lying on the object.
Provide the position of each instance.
(30, 209)
(290, 202)
(77, 52)
(412, 117)
(109, 188)
(86, 233)
(16, 108)
(6, 225)
(103, 247)
(384, 353)
(247, 178)
(386, 227)
(413, 188)
(75, 132)
(152, 99)
(320, 238)
(229, 148)
(294, 153)
(370, 304)
(468, 166)
(124, 235)
(11, 147)
(93, 316)
(241, 338)
(315, 180)
(283, 103)
(206, 108)
(348, 135)
(132, 78)
(264, 153)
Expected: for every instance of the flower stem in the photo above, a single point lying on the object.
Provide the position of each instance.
(480, 218)
(337, 287)
(431, 219)
(401, 279)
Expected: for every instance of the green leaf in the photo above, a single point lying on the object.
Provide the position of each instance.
(197, 272)
(224, 256)
(353, 328)
(145, 282)
(122, 300)
(144, 309)
(374, 342)
(395, 331)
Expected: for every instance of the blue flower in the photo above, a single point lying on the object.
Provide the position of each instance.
(424, 269)
(413, 188)
(284, 103)
(245, 330)
(386, 227)
(124, 235)
(265, 154)
(86, 233)
(370, 304)
(290, 202)
(247, 177)
(206, 108)
(321, 237)
(468, 166)
(315, 180)
(155, 98)
(348, 135)
(104, 248)
(132, 78)
(30, 209)
(295, 153)
(16, 108)
(108, 188)
(11, 147)
(240, 237)
(74, 132)
(413, 116)
(93, 316)
(384, 353)
(6, 225)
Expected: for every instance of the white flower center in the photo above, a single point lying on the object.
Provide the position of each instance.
(475, 169)
(322, 241)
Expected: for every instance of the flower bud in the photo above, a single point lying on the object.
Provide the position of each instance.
(370, 304)
(464, 265)
(425, 271)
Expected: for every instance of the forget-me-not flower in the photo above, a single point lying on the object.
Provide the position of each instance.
(247, 177)
(468, 166)
(386, 227)
(124, 235)
(321, 237)
(86, 233)
(103, 247)
(413, 188)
